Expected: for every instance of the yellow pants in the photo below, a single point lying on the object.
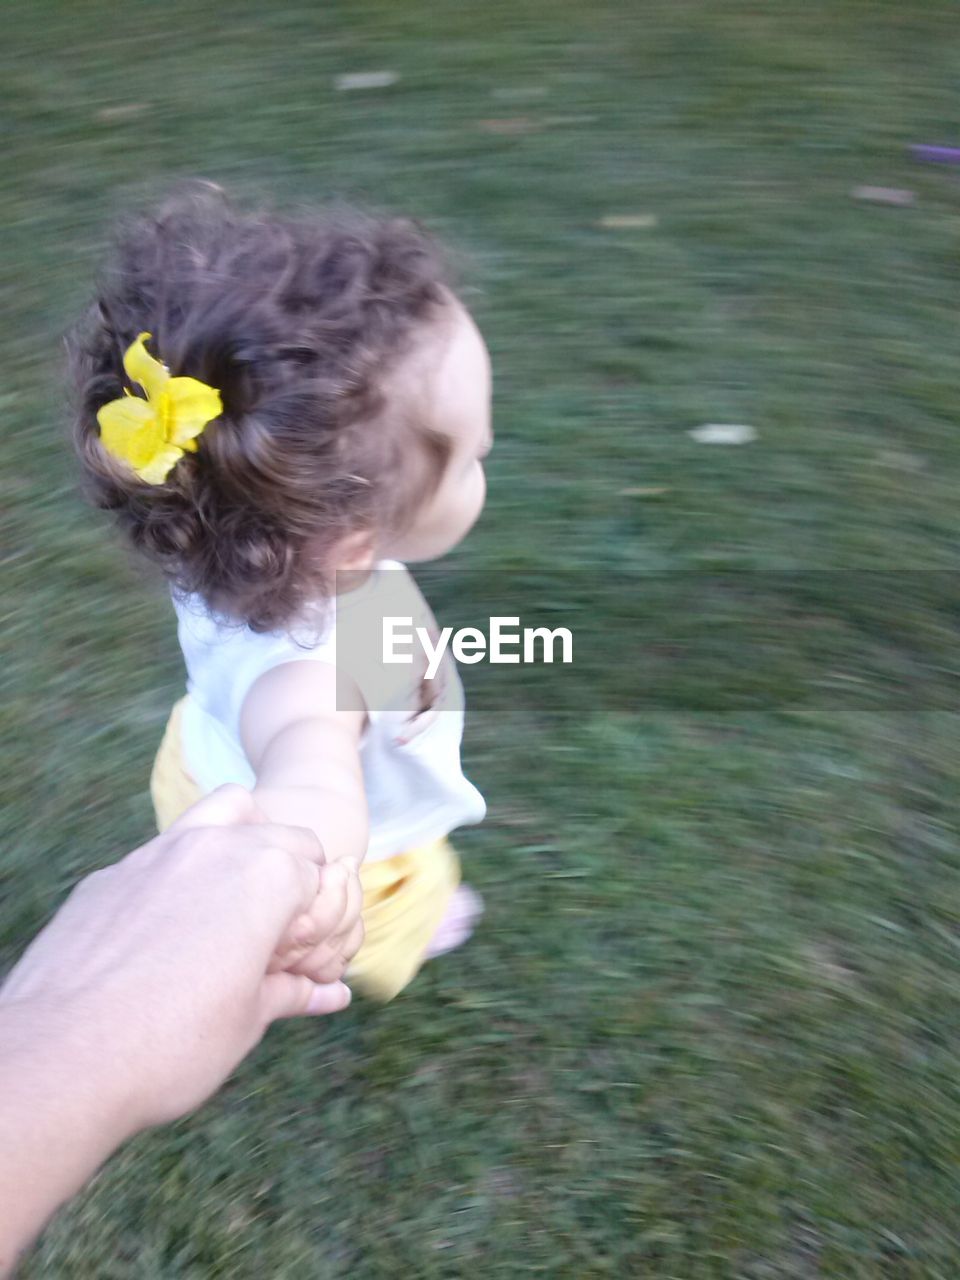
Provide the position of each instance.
(404, 897)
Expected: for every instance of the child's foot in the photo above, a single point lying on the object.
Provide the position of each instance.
(463, 912)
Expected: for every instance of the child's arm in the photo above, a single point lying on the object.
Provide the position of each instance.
(306, 755)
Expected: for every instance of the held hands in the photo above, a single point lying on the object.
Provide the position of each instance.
(165, 969)
(322, 940)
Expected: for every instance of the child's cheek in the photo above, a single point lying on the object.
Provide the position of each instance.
(478, 497)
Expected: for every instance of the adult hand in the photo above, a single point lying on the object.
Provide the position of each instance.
(150, 984)
(163, 956)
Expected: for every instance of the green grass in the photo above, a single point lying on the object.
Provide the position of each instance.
(710, 1026)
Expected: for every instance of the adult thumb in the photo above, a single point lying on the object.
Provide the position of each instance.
(292, 995)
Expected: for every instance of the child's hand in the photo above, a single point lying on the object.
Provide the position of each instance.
(321, 942)
(429, 694)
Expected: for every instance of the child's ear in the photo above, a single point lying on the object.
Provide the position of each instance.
(355, 551)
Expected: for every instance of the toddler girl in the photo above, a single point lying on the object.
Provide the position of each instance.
(264, 402)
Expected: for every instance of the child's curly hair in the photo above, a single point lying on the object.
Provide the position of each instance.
(296, 321)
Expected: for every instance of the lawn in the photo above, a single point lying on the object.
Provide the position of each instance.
(710, 1026)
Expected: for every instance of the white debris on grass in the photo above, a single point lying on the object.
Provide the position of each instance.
(628, 221)
(900, 460)
(884, 195)
(510, 126)
(367, 80)
(723, 433)
(123, 111)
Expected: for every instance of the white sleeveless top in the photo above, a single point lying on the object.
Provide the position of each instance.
(416, 792)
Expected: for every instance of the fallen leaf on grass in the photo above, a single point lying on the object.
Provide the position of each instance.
(884, 195)
(125, 111)
(628, 221)
(900, 460)
(522, 93)
(367, 80)
(723, 433)
(512, 125)
(559, 122)
(828, 967)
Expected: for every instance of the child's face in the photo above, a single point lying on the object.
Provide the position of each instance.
(459, 408)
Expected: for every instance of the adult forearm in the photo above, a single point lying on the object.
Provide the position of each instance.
(153, 980)
(62, 1113)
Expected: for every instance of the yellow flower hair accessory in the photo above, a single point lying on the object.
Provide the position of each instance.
(152, 435)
